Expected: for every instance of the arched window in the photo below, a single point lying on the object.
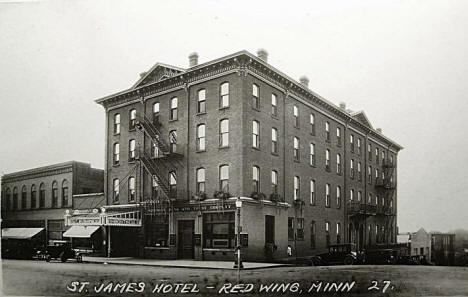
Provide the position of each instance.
(201, 137)
(296, 116)
(327, 130)
(42, 196)
(131, 150)
(155, 147)
(201, 107)
(274, 104)
(224, 95)
(312, 154)
(327, 195)
(255, 134)
(274, 182)
(224, 178)
(116, 189)
(172, 184)
(117, 123)
(64, 193)
(8, 198)
(312, 124)
(274, 140)
(327, 160)
(23, 197)
(255, 97)
(173, 111)
(338, 163)
(116, 153)
(132, 119)
(15, 198)
(255, 179)
(155, 187)
(338, 196)
(33, 196)
(156, 112)
(173, 141)
(54, 194)
(296, 148)
(312, 192)
(297, 186)
(200, 181)
(338, 233)
(131, 189)
(327, 233)
(312, 234)
(224, 133)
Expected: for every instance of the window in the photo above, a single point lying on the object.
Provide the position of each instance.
(312, 235)
(359, 196)
(327, 160)
(131, 150)
(255, 134)
(41, 196)
(338, 196)
(64, 193)
(131, 189)
(274, 140)
(116, 190)
(351, 142)
(376, 175)
(219, 230)
(338, 136)
(383, 157)
(351, 168)
(338, 233)
(201, 137)
(312, 124)
(327, 195)
(23, 197)
(300, 229)
(201, 108)
(255, 97)
(132, 121)
(156, 112)
(297, 185)
(255, 179)
(173, 184)
(296, 116)
(157, 231)
(274, 182)
(369, 173)
(274, 104)
(173, 111)
(312, 154)
(154, 147)
(377, 155)
(369, 150)
(155, 187)
(338, 163)
(296, 149)
(224, 178)
(327, 233)
(313, 199)
(224, 133)
(7, 199)
(359, 171)
(224, 95)
(290, 228)
(359, 145)
(351, 195)
(173, 141)
(116, 155)
(369, 198)
(327, 131)
(117, 123)
(54, 194)
(33, 196)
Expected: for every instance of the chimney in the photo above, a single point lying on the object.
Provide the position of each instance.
(304, 81)
(263, 55)
(193, 59)
(142, 74)
(343, 106)
(379, 130)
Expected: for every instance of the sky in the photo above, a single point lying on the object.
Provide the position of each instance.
(403, 62)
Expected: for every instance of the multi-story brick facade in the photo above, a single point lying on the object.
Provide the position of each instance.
(39, 197)
(185, 143)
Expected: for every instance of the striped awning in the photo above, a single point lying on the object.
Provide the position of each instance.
(20, 233)
(80, 231)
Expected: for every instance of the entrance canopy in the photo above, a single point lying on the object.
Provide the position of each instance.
(80, 231)
(20, 233)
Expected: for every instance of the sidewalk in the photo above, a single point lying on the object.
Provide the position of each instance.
(179, 263)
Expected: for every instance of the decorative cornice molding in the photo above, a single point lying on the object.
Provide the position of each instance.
(32, 175)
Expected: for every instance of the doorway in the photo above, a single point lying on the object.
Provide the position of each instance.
(185, 239)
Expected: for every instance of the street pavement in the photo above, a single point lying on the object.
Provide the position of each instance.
(38, 278)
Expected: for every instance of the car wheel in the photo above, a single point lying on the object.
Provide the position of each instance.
(47, 258)
(79, 258)
(348, 261)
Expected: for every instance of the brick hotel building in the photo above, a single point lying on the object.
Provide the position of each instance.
(182, 145)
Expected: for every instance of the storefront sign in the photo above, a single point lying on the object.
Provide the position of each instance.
(84, 221)
(110, 221)
(212, 207)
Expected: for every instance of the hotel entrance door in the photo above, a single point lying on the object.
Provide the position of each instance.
(185, 239)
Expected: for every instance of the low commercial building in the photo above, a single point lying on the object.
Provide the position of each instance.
(34, 201)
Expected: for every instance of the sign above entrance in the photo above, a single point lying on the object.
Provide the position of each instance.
(202, 207)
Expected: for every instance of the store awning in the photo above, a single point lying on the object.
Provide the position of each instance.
(81, 231)
(20, 233)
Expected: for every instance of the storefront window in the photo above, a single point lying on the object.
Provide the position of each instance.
(157, 230)
(218, 230)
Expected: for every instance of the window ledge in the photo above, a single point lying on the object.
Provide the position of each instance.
(200, 113)
(173, 120)
(116, 165)
(200, 151)
(256, 148)
(257, 109)
(224, 107)
(223, 147)
(275, 154)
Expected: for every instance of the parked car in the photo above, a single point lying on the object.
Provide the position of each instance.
(338, 254)
(18, 249)
(60, 249)
(380, 256)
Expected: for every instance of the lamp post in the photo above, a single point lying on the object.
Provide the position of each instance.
(238, 263)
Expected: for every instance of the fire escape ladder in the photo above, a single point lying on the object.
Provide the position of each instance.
(155, 170)
(144, 124)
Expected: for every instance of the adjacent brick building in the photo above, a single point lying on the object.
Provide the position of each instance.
(184, 144)
(39, 197)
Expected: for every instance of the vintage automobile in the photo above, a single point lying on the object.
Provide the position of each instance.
(338, 254)
(380, 257)
(60, 249)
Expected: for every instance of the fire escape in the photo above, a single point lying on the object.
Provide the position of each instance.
(386, 187)
(158, 166)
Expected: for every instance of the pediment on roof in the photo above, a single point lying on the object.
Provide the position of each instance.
(157, 73)
(361, 117)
